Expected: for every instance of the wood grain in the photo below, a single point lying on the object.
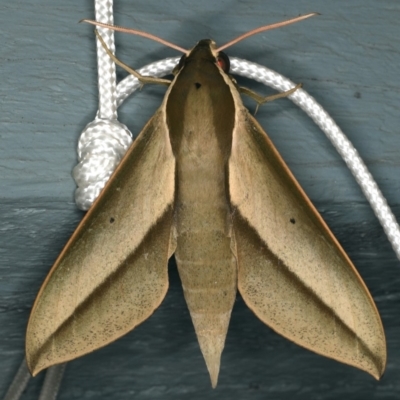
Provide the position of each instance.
(348, 58)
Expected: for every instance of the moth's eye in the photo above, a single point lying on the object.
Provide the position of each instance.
(181, 62)
(223, 61)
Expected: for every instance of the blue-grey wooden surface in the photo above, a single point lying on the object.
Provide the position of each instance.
(348, 58)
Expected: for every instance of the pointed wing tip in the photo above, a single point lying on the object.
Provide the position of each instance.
(36, 364)
(379, 370)
(38, 359)
(377, 374)
(377, 361)
(32, 367)
(373, 364)
(33, 355)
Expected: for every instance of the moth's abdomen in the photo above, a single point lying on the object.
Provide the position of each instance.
(205, 261)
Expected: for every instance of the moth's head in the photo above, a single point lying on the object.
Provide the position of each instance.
(205, 49)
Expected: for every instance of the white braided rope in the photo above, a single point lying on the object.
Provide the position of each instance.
(104, 141)
(106, 68)
(101, 147)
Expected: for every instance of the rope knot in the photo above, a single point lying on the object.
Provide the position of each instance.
(101, 146)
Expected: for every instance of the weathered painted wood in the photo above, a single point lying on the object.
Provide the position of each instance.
(348, 58)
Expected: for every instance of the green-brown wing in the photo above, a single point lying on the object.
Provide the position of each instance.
(292, 272)
(112, 274)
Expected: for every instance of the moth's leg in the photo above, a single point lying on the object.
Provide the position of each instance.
(266, 99)
(143, 79)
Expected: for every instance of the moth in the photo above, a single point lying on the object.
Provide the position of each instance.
(203, 182)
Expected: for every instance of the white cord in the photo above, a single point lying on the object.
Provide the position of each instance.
(106, 68)
(105, 140)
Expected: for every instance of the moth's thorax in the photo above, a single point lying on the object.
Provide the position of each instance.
(200, 114)
(200, 117)
(200, 106)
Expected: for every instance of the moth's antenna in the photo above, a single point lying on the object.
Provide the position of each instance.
(136, 32)
(266, 28)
